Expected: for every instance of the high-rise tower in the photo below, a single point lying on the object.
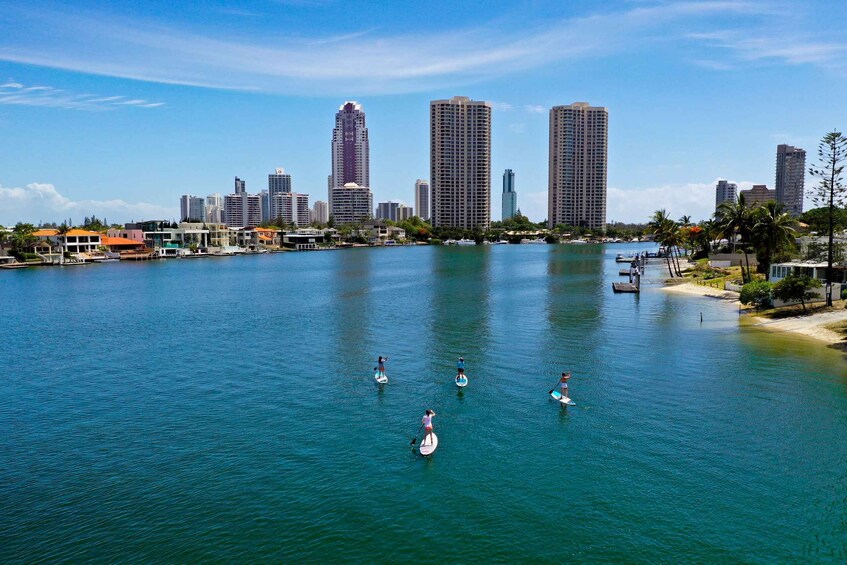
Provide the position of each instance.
(460, 163)
(725, 191)
(422, 199)
(510, 197)
(790, 178)
(350, 148)
(576, 194)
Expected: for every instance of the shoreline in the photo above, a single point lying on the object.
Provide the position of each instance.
(810, 325)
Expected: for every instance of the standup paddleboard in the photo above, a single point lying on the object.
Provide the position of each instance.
(381, 379)
(427, 448)
(462, 381)
(563, 399)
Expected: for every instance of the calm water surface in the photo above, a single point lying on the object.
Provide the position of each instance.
(225, 409)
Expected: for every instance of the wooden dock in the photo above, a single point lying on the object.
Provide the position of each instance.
(624, 287)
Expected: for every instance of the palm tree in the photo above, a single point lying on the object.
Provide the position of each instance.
(772, 232)
(664, 231)
(736, 219)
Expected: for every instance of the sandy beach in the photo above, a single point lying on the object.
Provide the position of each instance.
(701, 290)
(812, 325)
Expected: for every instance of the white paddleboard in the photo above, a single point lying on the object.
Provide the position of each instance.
(381, 379)
(427, 448)
(563, 399)
(462, 381)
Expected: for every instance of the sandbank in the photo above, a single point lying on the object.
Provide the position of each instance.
(811, 325)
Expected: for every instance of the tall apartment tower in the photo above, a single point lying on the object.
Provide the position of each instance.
(510, 197)
(214, 208)
(279, 182)
(320, 212)
(579, 139)
(790, 177)
(422, 199)
(191, 208)
(725, 192)
(460, 163)
(350, 148)
(240, 186)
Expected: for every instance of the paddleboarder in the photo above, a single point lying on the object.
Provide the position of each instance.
(381, 365)
(563, 384)
(427, 424)
(460, 365)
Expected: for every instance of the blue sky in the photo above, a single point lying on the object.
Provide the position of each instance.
(116, 108)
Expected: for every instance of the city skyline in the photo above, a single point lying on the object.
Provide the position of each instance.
(120, 124)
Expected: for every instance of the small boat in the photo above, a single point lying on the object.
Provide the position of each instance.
(578, 241)
(501, 242)
(536, 241)
(621, 258)
(466, 242)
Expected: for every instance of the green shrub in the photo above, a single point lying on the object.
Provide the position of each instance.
(757, 293)
(796, 287)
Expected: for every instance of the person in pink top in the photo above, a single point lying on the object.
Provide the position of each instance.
(427, 424)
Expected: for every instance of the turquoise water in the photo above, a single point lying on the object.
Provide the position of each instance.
(225, 409)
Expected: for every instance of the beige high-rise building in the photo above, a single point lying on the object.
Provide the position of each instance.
(579, 138)
(460, 163)
(758, 195)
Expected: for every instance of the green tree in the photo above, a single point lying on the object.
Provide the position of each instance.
(665, 232)
(22, 237)
(773, 231)
(796, 287)
(818, 219)
(758, 293)
(736, 219)
(832, 153)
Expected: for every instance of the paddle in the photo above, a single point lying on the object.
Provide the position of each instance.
(414, 439)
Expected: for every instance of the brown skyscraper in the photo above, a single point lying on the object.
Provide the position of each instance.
(576, 194)
(460, 163)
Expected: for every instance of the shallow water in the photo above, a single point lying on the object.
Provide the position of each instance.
(225, 409)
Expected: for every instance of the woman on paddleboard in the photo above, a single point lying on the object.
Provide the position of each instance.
(427, 424)
(381, 365)
(460, 366)
(563, 384)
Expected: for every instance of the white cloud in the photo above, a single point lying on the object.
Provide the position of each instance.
(637, 205)
(374, 62)
(501, 106)
(787, 48)
(535, 109)
(42, 202)
(13, 93)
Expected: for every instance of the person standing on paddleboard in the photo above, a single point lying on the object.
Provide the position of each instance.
(381, 365)
(427, 424)
(460, 365)
(563, 384)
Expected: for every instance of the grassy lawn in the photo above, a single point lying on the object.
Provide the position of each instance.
(703, 274)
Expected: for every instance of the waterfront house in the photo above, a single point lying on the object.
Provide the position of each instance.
(376, 231)
(816, 270)
(73, 242)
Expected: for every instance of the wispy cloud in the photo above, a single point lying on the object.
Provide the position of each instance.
(13, 93)
(502, 106)
(792, 49)
(535, 109)
(373, 62)
(42, 202)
